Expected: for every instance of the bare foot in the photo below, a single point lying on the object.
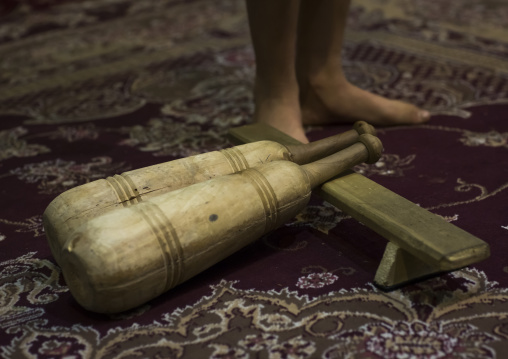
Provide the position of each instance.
(328, 102)
(281, 112)
(284, 118)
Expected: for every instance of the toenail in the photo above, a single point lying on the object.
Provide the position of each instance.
(424, 115)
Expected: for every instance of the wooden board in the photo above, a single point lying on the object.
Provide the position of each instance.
(412, 230)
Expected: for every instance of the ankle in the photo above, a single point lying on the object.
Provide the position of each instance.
(275, 92)
(325, 81)
(318, 73)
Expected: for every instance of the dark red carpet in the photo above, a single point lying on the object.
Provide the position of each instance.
(93, 88)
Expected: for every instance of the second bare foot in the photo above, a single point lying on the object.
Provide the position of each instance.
(339, 101)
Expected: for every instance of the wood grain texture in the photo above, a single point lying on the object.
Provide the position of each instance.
(128, 256)
(412, 230)
(75, 206)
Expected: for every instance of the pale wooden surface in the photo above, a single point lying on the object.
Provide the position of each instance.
(75, 206)
(412, 229)
(128, 256)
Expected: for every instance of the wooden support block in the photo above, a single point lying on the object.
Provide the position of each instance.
(399, 267)
(421, 244)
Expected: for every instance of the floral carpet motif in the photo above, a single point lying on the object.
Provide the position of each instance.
(89, 89)
(419, 321)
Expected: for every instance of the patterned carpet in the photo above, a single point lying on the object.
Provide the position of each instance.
(93, 88)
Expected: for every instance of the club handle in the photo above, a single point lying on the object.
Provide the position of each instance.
(368, 149)
(310, 152)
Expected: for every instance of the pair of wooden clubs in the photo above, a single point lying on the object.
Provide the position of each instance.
(126, 239)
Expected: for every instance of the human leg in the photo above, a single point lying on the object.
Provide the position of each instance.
(273, 26)
(325, 94)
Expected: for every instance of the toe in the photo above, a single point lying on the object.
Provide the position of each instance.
(423, 116)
